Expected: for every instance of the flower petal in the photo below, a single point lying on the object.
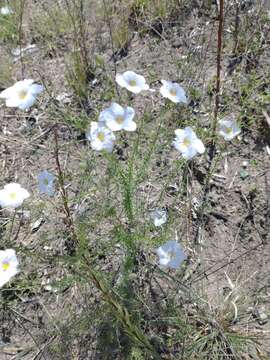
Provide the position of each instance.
(120, 80)
(13, 101)
(199, 146)
(105, 115)
(179, 133)
(130, 126)
(113, 124)
(181, 94)
(9, 92)
(36, 89)
(117, 109)
(129, 113)
(27, 102)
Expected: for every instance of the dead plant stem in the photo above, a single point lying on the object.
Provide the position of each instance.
(219, 51)
(20, 31)
(212, 150)
(63, 191)
(108, 21)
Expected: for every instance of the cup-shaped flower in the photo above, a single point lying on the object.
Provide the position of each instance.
(187, 143)
(46, 183)
(159, 216)
(132, 82)
(171, 254)
(9, 265)
(228, 128)
(101, 137)
(117, 118)
(173, 92)
(22, 94)
(13, 195)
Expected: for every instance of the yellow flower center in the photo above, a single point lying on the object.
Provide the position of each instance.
(13, 196)
(101, 136)
(186, 142)
(119, 119)
(228, 130)
(132, 82)
(46, 182)
(22, 94)
(5, 265)
(173, 92)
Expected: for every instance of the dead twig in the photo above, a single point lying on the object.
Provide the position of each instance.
(64, 195)
(40, 351)
(218, 81)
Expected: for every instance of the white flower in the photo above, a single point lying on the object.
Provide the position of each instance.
(22, 94)
(117, 118)
(9, 265)
(187, 143)
(171, 254)
(173, 91)
(159, 216)
(101, 137)
(132, 82)
(13, 195)
(228, 128)
(5, 10)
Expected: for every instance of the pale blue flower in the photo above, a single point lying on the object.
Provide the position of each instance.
(117, 118)
(228, 127)
(188, 143)
(22, 94)
(101, 137)
(132, 82)
(5, 10)
(9, 265)
(173, 91)
(171, 254)
(46, 183)
(159, 217)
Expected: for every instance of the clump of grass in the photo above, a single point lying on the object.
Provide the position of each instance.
(64, 28)
(150, 10)
(143, 15)
(8, 29)
(80, 68)
(121, 35)
(216, 337)
(51, 28)
(6, 67)
(79, 73)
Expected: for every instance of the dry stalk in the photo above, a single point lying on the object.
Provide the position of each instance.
(20, 31)
(212, 150)
(109, 24)
(64, 194)
(219, 51)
